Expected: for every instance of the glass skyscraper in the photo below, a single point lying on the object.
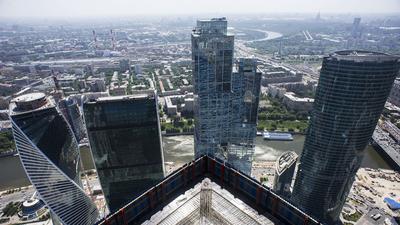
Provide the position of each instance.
(225, 103)
(212, 59)
(69, 107)
(245, 97)
(49, 154)
(351, 93)
(125, 140)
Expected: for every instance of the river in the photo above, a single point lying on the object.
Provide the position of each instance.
(179, 149)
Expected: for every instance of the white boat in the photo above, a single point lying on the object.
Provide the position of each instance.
(275, 136)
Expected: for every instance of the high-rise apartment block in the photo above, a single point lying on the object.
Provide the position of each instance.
(225, 102)
(351, 93)
(49, 154)
(125, 140)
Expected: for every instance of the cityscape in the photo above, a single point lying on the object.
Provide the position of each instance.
(162, 112)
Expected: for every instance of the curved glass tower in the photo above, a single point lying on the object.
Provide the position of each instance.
(49, 154)
(351, 93)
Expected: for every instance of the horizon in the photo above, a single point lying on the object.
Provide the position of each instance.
(74, 9)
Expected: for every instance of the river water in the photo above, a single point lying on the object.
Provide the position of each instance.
(179, 149)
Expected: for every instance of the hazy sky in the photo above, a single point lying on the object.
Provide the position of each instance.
(90, 8)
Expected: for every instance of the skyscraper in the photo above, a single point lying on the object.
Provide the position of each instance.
(246, 83)
(356, 30)
(49, 154)
(69, 107)
(212, 61)
(284, 170)
(226, 101)
(125, 139)
(352, 90)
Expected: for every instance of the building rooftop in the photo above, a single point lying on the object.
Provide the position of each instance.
(285, 161)
(208, 191)
(121, 98)
(210, 203)
(362, 56)
(30, 102)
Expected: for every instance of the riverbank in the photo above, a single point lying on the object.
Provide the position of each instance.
(179, 149)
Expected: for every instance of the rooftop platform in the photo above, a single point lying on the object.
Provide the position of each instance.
(228, 197)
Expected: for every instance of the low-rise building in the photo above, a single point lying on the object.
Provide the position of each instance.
(170, 108)
(394, 96)
(297, 103)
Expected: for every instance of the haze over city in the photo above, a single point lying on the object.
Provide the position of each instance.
(126, 8)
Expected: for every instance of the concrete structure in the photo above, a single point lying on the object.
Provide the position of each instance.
(225, 104)
(394, 96)
(352, 90)
(291, 101)
(189, 104)
(124, 65)
(96, 84)
(388, 146)
(284, 170)
(125, 139)
(49, 154)
(118, 89)
(279, 74)
(171, 109)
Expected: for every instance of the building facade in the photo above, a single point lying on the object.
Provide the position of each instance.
(394, 97)
(212, 61)
(125, 140)
(70, 108)
(351, 93)
(225, 103)
(246, 84)
(49, 154)
(284, 170)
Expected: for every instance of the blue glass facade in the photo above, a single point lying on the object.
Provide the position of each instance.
(125, 140)
(49, 154)
(226, 102)
(351, 93)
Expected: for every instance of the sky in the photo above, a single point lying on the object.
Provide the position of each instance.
(115, 8)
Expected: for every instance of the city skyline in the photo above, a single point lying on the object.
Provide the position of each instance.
(71, 9)
(200, 117)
